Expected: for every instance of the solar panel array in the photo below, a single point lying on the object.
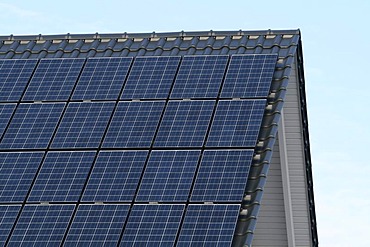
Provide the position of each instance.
(144, 151)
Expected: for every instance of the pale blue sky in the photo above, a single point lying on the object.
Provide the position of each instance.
(336, 53)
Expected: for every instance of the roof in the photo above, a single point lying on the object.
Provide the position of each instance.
(285, 43)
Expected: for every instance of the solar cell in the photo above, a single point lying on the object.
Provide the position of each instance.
(199, 77)
(83, 125)
(152, 225)
(249, 76)
(222, 176)
(208, 225)
(236, 123)
(6, 111)
(115, 176)
(14, 76)
(8, 215)
(134, 124)
(62, 177)
(168, 176)
(102, 78)
(17, 171)
(54, 79)
(150, 78)
(97, 225)
(32, 126)
(41, 225)
(184, 124)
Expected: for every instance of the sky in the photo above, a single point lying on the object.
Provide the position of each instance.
(336, 53)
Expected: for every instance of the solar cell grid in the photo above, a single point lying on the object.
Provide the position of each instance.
(6, 111)
(8, 215)
(150, 78)
(53, 79)
(168, 176)
(62, 177)
(14, 76)
(115, 176)
(102, 78)
(17, 171)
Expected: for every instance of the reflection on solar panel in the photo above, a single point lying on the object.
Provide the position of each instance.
(54, 79)
(236, 123)
(168, 176)
(150, 78)
(249, 76)
(14, 76)
(62, 177)
(222, 175)
(115, 176)
(6, 111)
(184, 124)
(134, 124)
(97, 225)
(32, 126)
(209, 225)
(152, 225)
(41, 225)
(8, 215)
(17, 171)
(102, 78)
(83, 125)
(199, 77)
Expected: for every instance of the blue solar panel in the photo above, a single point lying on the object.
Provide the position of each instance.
(17, 171)
(199, 77)
(54, 79)
(236, 123)
(249, 76)
(150, 78)
(102, 78)
(62, 177)
(209, 225)
(168, 176)
(83, 125)
(222, 176)
(6, 111)
(32, 126)
(115, 176)
(184, 124)
(14, 76)
(134, 124)
(8, 215)
(152, 225)
(41, 225)
(97, 225)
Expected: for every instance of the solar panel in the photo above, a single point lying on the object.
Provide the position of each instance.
(249, 76)
(236, 123)
(152, 225)
(97, 225)
(209, 225)
(83, 125)
(14, 76)
(184, 124)
(32, 126)
(6, 111)
(115, 176)
(41, 225)
(168, 176)
(134, 124)
(17, 171)
(222, 176)
(54, 79)
(8, 215)
(62, 177)
(102, 78)
(150, 78)
(199, 77)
